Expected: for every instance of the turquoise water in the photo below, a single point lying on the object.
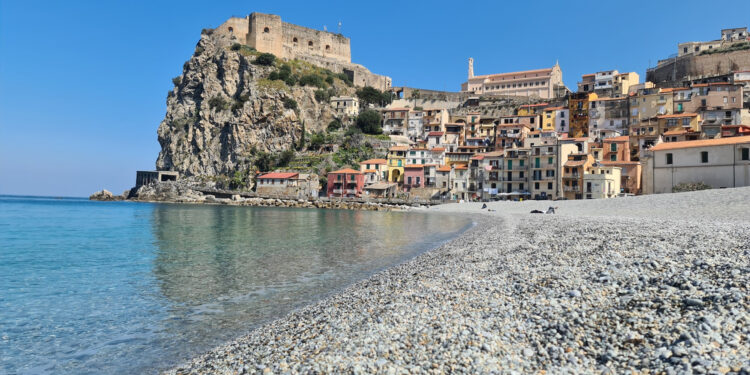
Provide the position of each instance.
(121, 287)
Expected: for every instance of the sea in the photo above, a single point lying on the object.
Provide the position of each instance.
(129, 288)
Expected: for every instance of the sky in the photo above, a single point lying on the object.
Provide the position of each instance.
(83, 84)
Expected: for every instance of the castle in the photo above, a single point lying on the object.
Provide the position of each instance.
(267, 33)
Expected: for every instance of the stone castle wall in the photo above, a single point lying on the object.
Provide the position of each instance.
(267, 33)
(697, 66)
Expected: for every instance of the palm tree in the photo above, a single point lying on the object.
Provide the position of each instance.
(415, 96)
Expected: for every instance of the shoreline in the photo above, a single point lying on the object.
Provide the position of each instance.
(586, 294)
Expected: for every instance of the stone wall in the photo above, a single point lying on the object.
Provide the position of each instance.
(693, 67)
(267, 33)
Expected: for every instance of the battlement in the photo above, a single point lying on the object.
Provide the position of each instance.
(267, 33)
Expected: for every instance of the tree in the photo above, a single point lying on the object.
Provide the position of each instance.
(301, 143)
(334, 125)
(369, 95)
(266, 59)
(369, 122)
(290, 103)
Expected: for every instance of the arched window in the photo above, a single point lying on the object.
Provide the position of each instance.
(328, 48)
(265, 30)
(231, 30)
(310, 43)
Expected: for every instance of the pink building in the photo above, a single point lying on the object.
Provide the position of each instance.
(413, 176)
(345, 183)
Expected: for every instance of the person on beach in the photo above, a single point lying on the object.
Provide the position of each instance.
(551, 210)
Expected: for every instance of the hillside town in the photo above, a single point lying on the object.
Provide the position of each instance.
(525, 135)
(614, 136)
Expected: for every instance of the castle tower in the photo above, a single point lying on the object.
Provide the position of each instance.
(471, 68)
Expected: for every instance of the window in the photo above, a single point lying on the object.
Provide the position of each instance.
(686, 122)
(536, 185)
(613, 157)
(704, 156)
(745, 154)
(408, 180)
(550, 160)
(725, 100)
(613, 147)
(265, 30)
(669, 158)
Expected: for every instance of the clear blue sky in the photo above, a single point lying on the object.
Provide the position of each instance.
(83, 84)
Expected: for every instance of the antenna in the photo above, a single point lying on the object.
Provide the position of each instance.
(339, 27)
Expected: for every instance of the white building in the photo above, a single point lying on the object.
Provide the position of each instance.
(720, 163)
(562, 120)
(345, 106)
(602, 182)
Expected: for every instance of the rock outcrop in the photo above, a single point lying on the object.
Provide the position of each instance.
(222, 110)
(106, 195)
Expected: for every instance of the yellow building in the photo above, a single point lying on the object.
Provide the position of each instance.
(578, 104)
(396, 163)
(549, 117)
(531, 109)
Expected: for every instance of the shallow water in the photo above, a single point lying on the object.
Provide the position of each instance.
(121, 287)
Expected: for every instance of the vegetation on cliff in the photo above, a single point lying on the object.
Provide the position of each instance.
(234, 111)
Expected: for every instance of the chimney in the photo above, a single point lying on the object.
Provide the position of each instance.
(471, 68)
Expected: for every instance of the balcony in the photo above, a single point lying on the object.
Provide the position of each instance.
(517, 167)
(576, 189)
(514, 179)
(337, 191)
(545, 166)
(572, 175)
(543, 178)
(351, 191)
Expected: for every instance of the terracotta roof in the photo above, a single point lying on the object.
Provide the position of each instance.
(399, 148)
(438, 149)
(414, 166)
(554, 108)
(434, 134)
(417, 149)
(280, 175)
(477, 157)
(462, 166)
(546, 70)
(345, 171)
(701, 143)
(395, 109)
(679, 115)
(589, 75)
(622, 138)
(670, 89)
(444, 168)
(370, 171)
(374, 161)
(534, 105)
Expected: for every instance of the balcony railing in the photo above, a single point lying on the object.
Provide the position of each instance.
(337, 191)
(517, 167)
(543, 178)
(576, 189)
(571, 175)
(351, 191)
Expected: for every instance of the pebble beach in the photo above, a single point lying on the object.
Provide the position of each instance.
(648, 284)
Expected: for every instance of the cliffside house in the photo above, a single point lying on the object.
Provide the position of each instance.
(149, 177)
(345, 106)
(288, 185)
(375, 170)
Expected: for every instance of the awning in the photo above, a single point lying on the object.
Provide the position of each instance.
(380, 186)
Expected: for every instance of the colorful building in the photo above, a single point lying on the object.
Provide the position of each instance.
(345, 183)
(602, 181)
(573, 173)
(396, 163)
(578, 106)
(413, 176)
(374, 170)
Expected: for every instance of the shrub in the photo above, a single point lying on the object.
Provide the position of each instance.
(266, 59)
(316, 141)
(285, 158)
(312, 80)
(177, 80)
(334, 125)
(236, 47)
(218, 102)
(369, 122)
(329, 80)
(290, 103)
(290, 81)
(199, 50)
(345, 78)
(690, 186)
(274, 76)
(322, 95)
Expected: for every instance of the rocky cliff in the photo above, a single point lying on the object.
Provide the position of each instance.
(223, 110)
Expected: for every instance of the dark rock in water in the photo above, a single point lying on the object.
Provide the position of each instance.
(106, 195)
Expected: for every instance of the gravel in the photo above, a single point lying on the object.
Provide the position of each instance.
(655, 284)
